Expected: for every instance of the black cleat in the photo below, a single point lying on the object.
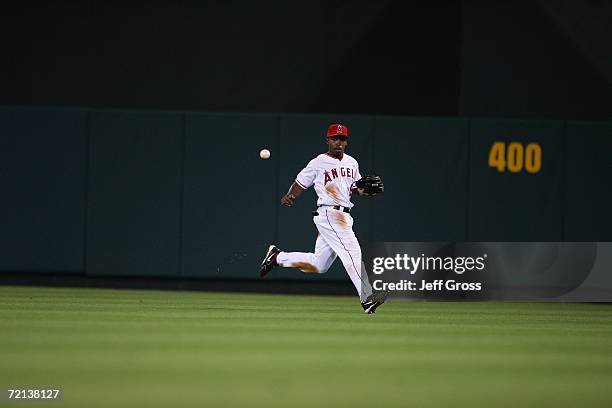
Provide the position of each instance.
(370, 306)
(373, 301)
(269, 261)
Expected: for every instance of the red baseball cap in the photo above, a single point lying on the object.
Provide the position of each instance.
(337, 129)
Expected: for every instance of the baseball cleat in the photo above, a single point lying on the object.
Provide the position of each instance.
(369, 307)
(269, 261)
(373, 301)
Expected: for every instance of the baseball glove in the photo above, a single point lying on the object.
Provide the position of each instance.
(371, 185)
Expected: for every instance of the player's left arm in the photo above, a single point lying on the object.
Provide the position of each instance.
(354, 189)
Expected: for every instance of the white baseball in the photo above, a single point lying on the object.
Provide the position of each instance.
(264, 154)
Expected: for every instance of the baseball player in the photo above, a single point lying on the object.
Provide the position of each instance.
(335, 176)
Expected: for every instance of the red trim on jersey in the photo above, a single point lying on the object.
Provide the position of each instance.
(298, 183)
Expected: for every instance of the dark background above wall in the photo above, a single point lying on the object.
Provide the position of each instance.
(442, 58)
(325, 56)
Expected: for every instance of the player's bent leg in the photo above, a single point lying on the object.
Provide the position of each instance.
(308, 262)
(305, 261)
(324, 254)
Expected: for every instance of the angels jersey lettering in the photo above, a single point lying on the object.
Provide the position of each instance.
(332, 179)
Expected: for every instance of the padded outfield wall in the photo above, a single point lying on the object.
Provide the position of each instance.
(185, 194)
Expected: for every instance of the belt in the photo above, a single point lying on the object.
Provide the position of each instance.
(338, 207)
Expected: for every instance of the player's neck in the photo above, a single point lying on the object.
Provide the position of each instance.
(339, 157)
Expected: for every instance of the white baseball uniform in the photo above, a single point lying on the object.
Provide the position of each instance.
(332, 179)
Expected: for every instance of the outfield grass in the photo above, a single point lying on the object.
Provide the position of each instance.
(166, 348)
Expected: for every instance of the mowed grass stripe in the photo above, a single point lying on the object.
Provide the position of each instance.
(159, 348)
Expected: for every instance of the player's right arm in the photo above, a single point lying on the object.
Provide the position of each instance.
(304, 179)
(294, 191)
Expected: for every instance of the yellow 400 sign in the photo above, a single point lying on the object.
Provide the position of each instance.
(515, 157)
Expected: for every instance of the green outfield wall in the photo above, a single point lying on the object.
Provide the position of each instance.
(185, 194)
